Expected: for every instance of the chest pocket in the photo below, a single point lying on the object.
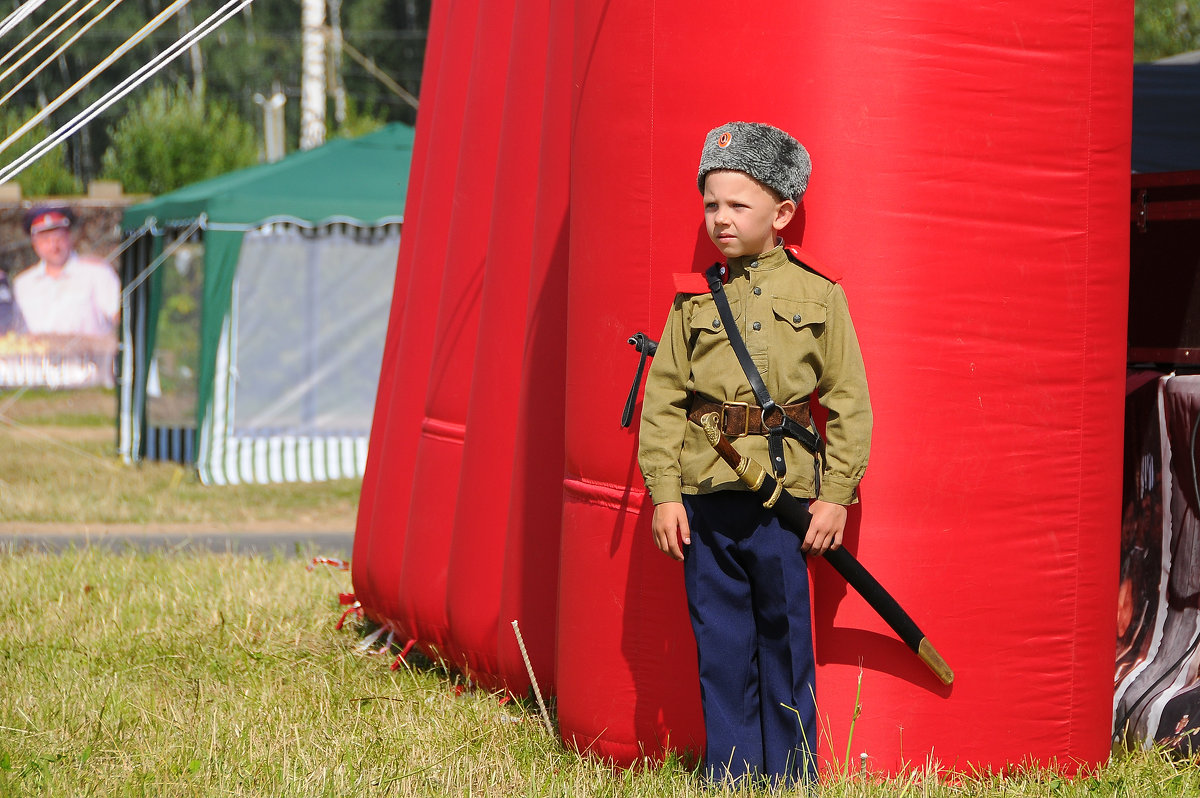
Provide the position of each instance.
(798, 313)
(705, 318)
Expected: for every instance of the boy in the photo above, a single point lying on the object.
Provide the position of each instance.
(746, 576)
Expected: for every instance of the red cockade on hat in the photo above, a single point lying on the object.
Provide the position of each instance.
(42, 218)
(50, 220)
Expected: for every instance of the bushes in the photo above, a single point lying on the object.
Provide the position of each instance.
(49, 175)
(1165, 27)
(170, 139)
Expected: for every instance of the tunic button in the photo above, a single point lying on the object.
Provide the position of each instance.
(757, 291)
(796, 319)
(758, 325)
(716, 323)
(754, 263)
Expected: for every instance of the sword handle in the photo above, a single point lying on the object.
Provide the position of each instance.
(747, 470)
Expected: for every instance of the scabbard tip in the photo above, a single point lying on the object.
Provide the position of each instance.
(933, 659)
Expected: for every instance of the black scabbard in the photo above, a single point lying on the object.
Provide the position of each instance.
(794, 516)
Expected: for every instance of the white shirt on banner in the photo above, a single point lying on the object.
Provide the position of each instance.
(82, 299)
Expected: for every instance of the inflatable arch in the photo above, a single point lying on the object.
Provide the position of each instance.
(970, 184)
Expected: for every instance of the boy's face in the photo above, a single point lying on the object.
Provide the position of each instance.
(742, 216)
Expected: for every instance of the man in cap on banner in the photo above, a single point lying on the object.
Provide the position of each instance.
(65, 293)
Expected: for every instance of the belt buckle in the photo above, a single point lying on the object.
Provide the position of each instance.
(745, 419)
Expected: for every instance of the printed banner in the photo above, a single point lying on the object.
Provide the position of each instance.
(1157, 698)
(56, 361)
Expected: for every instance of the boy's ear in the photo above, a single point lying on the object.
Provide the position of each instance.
(783, 214)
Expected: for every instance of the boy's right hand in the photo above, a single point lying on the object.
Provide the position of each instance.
(670, 527)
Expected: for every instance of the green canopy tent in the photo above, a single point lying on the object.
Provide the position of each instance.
(254, 312)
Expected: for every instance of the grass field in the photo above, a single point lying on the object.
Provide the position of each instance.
(190, 673)
(60, 467)
(202, 674)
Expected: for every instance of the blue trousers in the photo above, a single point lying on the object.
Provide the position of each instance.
(747, 588)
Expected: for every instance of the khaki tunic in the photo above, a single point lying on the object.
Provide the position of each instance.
(797, 329)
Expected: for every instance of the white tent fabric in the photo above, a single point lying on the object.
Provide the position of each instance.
(299, 356)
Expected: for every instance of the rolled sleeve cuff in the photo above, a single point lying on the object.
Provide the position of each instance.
(664, 490)
(838, 489)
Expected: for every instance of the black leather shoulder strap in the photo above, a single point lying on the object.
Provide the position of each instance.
(809, 439)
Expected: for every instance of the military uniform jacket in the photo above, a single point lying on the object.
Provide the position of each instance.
(797, 328)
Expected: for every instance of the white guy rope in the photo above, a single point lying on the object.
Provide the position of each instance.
(129, 240)
(61, 48)
(537, 692)
(37, 31)
(122, 89)
(82, 83)
(167, 252)
(125, 87)
(18, 16)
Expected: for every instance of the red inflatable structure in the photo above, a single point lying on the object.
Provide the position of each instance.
(970, 184)
(380, 535)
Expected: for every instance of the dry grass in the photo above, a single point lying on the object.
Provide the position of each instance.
(203, 674)
(206, 674)
(60, 466)
(211, 674)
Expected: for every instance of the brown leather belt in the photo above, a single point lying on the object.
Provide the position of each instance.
(738, 419)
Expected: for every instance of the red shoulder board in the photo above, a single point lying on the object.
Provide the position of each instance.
(805, 259)
(690, 283)
(694, 282)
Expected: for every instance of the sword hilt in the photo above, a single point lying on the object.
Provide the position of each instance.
(747, 470)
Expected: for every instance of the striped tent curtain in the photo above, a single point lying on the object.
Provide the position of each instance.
(297, 364)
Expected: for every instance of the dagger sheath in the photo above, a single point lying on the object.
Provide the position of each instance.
(795, 516)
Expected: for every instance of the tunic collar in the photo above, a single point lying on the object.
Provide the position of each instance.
(767, 261)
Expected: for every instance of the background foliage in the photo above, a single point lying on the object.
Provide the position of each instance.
(50, 174)
(226, 76)
(167, 141)
(223, 81)
(1165, 27)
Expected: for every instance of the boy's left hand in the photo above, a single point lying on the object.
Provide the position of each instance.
(825, 529)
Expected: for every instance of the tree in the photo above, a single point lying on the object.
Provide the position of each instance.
(1165, 27)
(357, 123)
(171, 138)
(47, 176)
(246, 56)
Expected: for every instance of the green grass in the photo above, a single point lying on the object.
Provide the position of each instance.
(60, 466)
(92, 407)
(206, 674)
(201, 674)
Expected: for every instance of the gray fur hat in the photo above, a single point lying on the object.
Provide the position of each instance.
(768, 154)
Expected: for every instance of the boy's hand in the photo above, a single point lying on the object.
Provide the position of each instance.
(670, 526)
(825, 529)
